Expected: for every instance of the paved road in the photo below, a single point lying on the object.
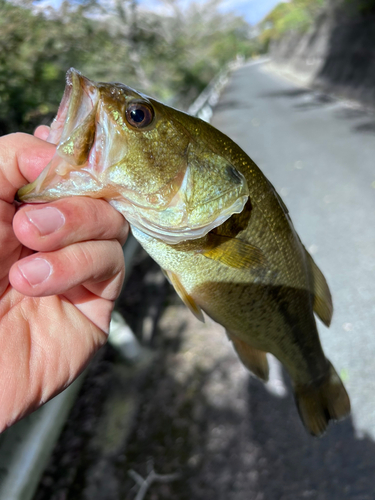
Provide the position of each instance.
(320, 155)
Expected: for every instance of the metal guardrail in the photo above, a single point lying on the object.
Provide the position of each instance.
(202, 106)
(25, 448)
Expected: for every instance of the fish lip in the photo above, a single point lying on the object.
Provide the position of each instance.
(79, 103)
(80, 97)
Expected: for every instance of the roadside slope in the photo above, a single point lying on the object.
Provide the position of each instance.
(337, 54)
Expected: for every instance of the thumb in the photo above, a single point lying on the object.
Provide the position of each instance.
(22, 158)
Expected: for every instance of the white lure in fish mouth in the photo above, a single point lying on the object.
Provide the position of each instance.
(117, 144)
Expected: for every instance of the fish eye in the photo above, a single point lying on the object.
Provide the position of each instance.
(139, 115)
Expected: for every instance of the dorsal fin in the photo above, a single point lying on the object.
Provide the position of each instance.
(323, 306)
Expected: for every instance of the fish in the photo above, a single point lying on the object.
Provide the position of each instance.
(204, 211)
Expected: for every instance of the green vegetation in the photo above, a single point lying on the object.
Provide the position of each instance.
(171, 56)
(293, 16)
(299, 15)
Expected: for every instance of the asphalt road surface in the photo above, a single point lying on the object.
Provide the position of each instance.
(201, 415)
(319, 153)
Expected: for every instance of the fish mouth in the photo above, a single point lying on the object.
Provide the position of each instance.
(79, 102)
(73, 131)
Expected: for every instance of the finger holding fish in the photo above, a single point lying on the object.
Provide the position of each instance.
(51, 226)
(98, 265)
(42, 132)
(24, 157)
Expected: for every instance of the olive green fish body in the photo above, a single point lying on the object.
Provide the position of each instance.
(269, 305)
(206, 213)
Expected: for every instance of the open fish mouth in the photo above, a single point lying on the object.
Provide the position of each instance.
(156, 175)
(76, 116)
(73, 131)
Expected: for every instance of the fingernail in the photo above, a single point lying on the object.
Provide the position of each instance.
(35, 271)
(47, 220)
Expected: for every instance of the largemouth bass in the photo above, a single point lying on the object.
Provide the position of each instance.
(206, 213)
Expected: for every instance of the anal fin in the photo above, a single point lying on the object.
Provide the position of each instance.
(254, 359)
(184, 296)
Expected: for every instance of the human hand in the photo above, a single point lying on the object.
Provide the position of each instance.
(61, 269)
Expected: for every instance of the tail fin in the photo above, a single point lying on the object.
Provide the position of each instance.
(318, 404)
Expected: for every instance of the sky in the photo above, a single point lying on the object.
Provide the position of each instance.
(252, 10)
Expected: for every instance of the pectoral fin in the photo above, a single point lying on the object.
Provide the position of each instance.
(323, 306)
(254, 359)
(233, 252)
(184, 296)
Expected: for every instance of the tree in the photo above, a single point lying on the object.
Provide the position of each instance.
(171, 55)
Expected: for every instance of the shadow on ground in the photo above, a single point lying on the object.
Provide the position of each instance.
(307, 99)
(195, 411)
(225, 455)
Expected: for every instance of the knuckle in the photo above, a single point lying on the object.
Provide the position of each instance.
(82, 256)
(96, 260)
